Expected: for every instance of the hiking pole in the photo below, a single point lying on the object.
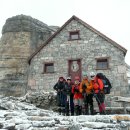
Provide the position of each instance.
(60, 102)
(85, 106)
(103, 96)
(99, 103)
(68, 103)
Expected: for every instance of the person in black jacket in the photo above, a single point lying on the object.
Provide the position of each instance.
(69, 97)
(59, 87)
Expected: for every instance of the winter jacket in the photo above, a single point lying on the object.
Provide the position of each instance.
(76, 92)
(86, 86)
(59, 86)
(68, 88)
(98, 85)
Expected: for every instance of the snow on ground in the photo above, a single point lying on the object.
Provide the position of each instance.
(17, 115)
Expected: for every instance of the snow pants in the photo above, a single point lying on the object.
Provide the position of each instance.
(100, 97)
(88, 104)
(78, 104)
(61, 100)
(69, 105)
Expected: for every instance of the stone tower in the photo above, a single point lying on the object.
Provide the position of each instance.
(21, 35)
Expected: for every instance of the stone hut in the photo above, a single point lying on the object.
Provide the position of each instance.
(77, 47)
(21, 36)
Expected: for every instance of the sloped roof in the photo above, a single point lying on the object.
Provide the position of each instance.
(86, 25)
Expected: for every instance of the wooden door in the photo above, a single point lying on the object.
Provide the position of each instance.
(74, 68)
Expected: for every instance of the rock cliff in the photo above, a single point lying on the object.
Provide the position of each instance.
(21, 35)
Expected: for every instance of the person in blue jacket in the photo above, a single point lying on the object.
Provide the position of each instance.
(69, 97)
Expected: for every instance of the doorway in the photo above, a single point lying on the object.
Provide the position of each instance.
(74, 69)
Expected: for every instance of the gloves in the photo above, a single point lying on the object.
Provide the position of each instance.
(97, 91)
(95, 95)
(84, 94)
(84, 91)
(84, 86)
(76, 90)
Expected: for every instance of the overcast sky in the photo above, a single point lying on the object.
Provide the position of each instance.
(111, 17)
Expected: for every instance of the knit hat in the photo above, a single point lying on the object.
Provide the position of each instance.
(77, 78)
(61, 77)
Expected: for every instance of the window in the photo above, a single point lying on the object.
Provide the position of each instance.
(102, 63)
(49, 68)
(74, 35)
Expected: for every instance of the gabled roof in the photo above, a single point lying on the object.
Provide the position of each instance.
(86, 25)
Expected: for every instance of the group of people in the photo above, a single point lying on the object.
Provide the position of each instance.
(77, 98)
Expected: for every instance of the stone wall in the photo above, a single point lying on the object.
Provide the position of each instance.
(91, 46)
(21, 35)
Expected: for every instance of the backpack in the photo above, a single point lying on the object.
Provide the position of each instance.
(107, 85)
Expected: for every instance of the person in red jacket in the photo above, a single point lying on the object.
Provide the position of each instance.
(78, 98)
(98, 91)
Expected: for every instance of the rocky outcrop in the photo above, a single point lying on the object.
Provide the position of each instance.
(18, 115)
(55, 28)
(44, 100)
(25, 24)
(21, 35)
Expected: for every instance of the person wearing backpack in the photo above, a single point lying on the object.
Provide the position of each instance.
(59, 87)
(78, 98)
(106, 82)
(69, 97)
(86, 89)
(98, 92)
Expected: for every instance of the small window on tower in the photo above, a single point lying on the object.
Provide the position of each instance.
(49, 68)
(74, 35)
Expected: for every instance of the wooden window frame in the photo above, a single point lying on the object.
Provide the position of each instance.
(100, 60)
(45, 67)
(72, 33)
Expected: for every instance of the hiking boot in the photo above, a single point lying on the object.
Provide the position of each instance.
(67, 114)
(103, 113)
(72, 114)
(80, 110)
(91, 110)
(76, 110)
(59, 110)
